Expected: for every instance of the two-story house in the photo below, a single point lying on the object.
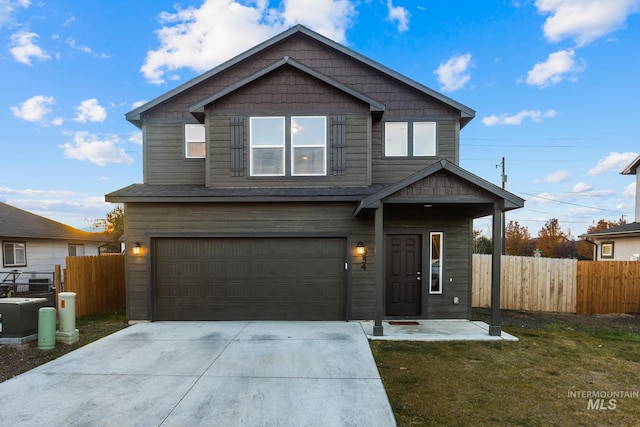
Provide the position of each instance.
(621, 243)
(301, 180)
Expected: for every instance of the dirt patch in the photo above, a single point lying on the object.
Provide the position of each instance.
(578, 322)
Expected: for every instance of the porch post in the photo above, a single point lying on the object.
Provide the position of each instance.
(495, 329)
(379, 278)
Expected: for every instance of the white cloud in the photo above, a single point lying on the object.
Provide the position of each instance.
(398, 14)
(34, 109)
(557, 66)
(31, 192)
(90, 111)
(516, 119)
(557, 176)
(138, 104)
(84, 48)
(630, 193)
(23, 48)
(136, 137)
(581, 187)
(201, 38)
(8, 8)
(584, 20)
(453, 74)
(99, 150)
(614, 162)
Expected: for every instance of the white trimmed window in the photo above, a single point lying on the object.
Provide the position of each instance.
(267, 138)
(410, 139)
(606, 250)
(195, 142)
(14, 254)
(435, 285)
(302, 138)
(308, 146)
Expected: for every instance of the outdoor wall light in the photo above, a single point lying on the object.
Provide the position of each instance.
(137, 248)
(362, 251)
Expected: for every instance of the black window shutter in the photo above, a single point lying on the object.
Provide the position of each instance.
(339, 145)
(237, 146)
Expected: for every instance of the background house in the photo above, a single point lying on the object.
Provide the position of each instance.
(621, 243)
(31, 243)
(301, 180)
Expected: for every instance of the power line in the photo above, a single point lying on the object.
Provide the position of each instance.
(569, 203)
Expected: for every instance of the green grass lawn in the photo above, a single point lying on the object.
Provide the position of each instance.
(525, 383)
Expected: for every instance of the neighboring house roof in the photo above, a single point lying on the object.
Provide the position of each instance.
(625, 230)
(19, 224)
(511, 200)
(466, 113)
(632, 169)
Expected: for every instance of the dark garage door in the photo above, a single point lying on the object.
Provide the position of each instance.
(249, 278)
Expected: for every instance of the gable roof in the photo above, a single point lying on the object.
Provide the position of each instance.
(466, 113)
(19, 224)
(511, 200)
(632, 169)
(197, 109)
(631, 229)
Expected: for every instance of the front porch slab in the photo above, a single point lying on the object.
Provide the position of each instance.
(436, 330)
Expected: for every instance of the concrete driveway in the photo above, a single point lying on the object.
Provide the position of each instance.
(207, 374)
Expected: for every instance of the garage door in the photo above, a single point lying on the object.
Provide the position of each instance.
(249, 278)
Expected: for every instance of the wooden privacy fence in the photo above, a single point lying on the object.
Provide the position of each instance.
(608, 287)
(98, 282)
(536, 284)
(559, 285)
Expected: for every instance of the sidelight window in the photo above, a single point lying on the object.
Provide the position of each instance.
(435, 286)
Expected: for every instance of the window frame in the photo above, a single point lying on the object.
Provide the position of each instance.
(439, 290)
(288, 147)
(610, 254)
(270, 147)
(409, 150)
(13, 253)
(323, 146)
(188, 141)
(76, 245)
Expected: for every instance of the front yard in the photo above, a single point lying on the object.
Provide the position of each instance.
(555, 375)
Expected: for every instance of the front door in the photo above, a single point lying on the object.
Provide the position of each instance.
(403, 284)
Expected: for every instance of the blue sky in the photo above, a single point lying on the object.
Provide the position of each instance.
(555, 85)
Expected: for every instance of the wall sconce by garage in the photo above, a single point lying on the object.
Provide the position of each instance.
(362, 251)
(137, 248)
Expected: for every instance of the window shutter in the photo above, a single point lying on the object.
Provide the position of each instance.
(339, 145)
(237, 146)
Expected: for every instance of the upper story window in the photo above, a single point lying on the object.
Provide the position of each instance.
(194, 141)
(410, 139)
(14, 254)
(308, 145)
(304, 137)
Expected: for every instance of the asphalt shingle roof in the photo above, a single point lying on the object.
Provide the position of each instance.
(17, 223)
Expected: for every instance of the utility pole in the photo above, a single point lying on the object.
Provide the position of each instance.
(504, 182)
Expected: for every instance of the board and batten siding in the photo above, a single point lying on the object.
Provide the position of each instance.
(148, 220)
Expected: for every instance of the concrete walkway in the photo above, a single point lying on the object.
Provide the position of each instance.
(207, 374)
(434, 330)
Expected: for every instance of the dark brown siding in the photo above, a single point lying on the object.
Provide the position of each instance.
(401, 102)
(145, 221)
(165, 161)
(456, 258)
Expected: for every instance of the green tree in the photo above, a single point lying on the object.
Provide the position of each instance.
(481, 244)
(517, 239)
